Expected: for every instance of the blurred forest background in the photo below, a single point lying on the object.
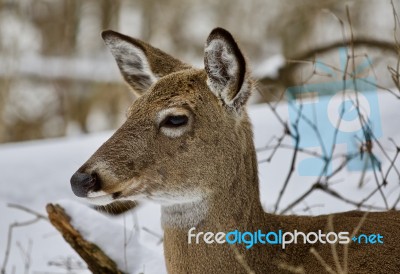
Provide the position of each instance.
(58, 79)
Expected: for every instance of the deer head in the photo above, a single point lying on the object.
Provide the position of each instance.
(185, 136)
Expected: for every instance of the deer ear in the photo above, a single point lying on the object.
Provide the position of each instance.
(226, 69)
(140, 64)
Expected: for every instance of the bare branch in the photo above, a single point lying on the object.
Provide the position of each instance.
(96, 259)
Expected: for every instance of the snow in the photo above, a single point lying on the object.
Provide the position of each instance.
(137, 257)
(35, 173)
(272, 174)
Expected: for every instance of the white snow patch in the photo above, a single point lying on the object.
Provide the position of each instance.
(123, 247)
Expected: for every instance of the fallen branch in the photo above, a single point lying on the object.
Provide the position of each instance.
(96, 259)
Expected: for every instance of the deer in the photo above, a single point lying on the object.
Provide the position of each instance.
(187, 144)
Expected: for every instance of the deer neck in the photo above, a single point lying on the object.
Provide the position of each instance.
(237, 206)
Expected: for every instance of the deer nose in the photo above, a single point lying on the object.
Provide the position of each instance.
(83, 183)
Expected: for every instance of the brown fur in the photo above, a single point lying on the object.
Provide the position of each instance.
(215, 156)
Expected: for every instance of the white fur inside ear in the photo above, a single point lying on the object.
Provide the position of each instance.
(222, 64)
(242, 96)
(132, 62)
(135, 54)
(220, 59)
(222, 69)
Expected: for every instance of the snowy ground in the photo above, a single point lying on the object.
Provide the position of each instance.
(35, 173)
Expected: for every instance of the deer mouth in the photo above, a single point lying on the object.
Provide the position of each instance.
(99, 198)
(102, 198)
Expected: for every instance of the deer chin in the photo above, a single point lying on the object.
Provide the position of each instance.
(99, 199)
(102, 198)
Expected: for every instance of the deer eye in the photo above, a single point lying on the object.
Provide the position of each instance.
(172, 121)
